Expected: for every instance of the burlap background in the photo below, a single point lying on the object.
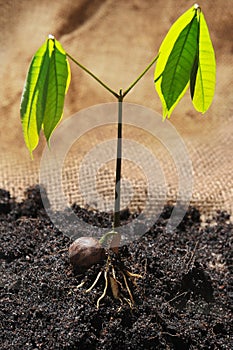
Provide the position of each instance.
(116, 39)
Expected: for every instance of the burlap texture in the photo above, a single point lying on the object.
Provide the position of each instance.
(116, 39)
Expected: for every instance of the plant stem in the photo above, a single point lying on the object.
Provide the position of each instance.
(140, 76)
(118, 164)
(116, 219)
(93, 76)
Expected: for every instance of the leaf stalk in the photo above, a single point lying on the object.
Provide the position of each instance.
(140, 76)
(92, 75)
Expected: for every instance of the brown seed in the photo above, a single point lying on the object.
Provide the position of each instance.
(85, 252)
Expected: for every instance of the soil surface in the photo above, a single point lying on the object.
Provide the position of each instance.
(182, 301)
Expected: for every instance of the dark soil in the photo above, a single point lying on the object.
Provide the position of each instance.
(182, 302)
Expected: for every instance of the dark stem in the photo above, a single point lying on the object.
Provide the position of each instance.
(116, 222)
(116, 219)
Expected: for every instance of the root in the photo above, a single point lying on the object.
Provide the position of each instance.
(105, 289)
(80, 285)
(117, 287)
(131, 301)
(96, 280)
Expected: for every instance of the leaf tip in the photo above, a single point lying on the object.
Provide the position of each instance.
(31, 155)
(51, 36)
(196, 7)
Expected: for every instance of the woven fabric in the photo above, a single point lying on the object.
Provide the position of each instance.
(116, 40)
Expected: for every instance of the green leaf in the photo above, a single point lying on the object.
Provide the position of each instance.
(176, 58)
(32, 103)
(57, 86)
(203, 78)
(44, 92)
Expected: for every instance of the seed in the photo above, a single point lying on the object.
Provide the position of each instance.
(85, 252)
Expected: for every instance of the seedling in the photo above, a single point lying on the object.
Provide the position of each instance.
(186, 59)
